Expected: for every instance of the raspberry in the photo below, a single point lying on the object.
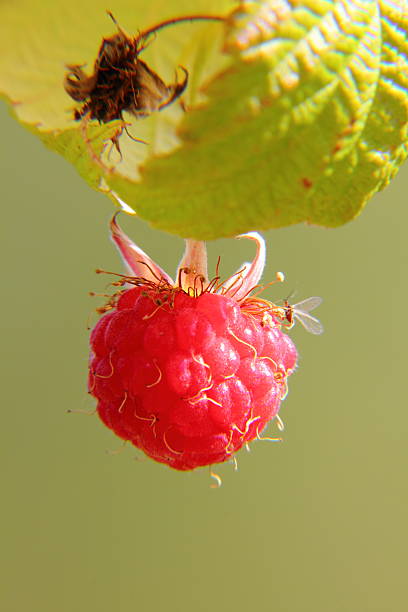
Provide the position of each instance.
(188, 373)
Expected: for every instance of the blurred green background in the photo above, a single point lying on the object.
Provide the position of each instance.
(316, 523)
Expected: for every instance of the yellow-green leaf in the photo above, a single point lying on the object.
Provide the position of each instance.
(295, 111)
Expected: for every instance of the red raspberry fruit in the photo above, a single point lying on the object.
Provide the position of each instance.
(189, 373)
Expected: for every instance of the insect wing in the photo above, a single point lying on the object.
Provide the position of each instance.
(311, 324)
(308, 304)
(301, 313)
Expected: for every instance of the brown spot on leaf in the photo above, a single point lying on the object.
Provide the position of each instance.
(307, 183)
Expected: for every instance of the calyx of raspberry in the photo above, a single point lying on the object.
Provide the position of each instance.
(193, 264)
(189, 369)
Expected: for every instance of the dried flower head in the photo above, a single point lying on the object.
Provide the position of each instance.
(121, 81)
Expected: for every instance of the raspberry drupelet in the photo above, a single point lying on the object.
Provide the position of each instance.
(189, 371)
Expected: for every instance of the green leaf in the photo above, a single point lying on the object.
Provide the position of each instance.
(295, 112)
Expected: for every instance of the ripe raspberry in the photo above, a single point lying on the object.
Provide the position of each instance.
(189, 373)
